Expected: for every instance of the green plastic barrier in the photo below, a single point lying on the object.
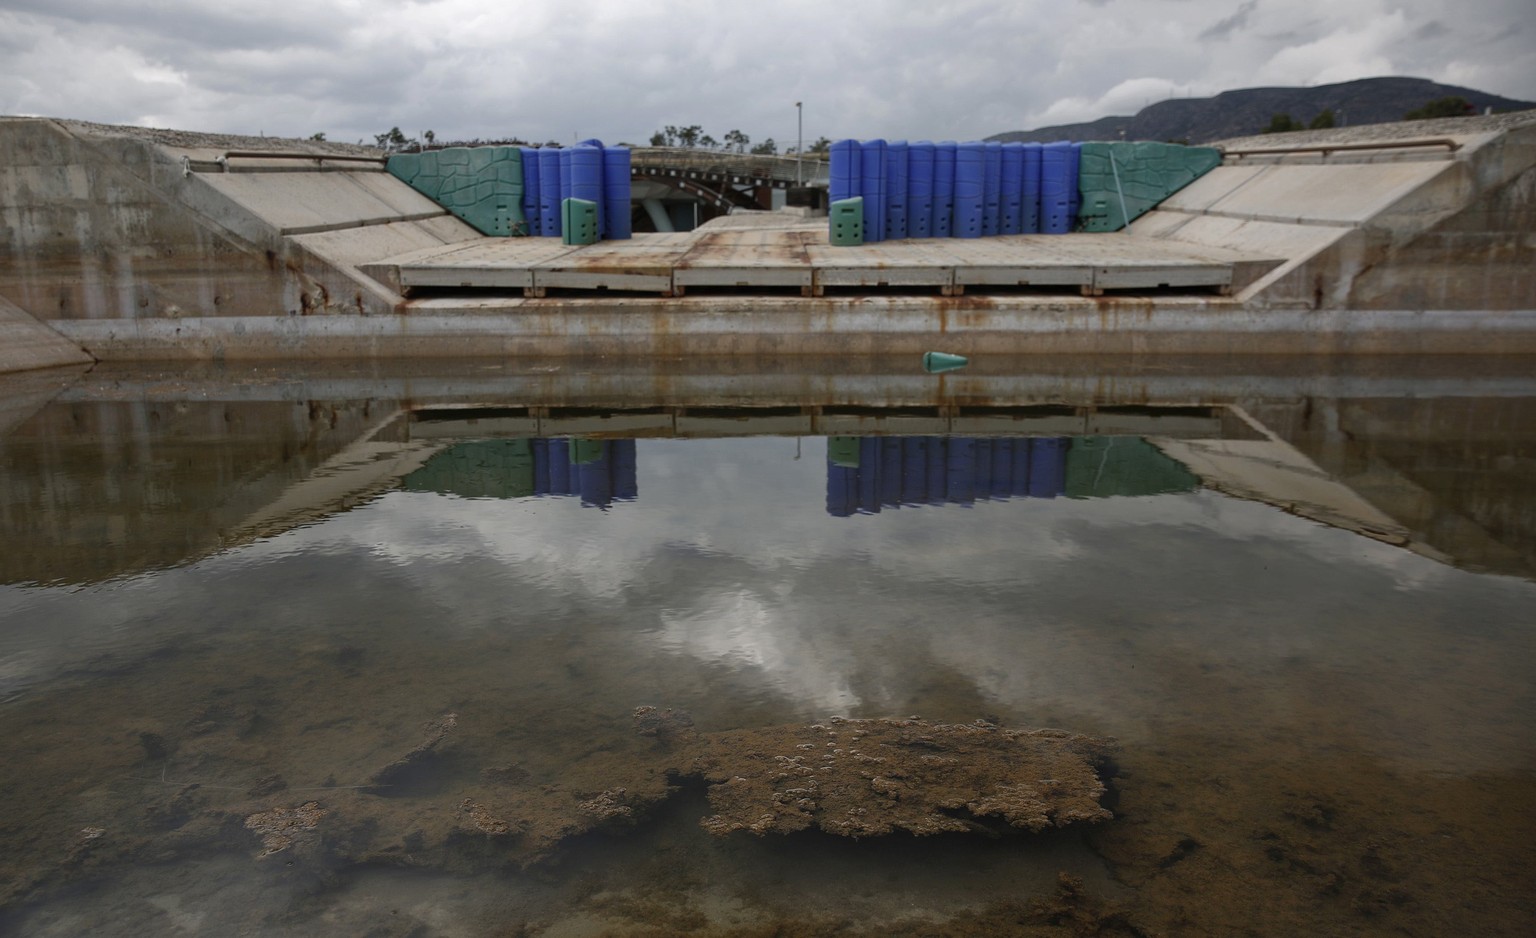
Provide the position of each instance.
(1140, 174)
(482, 185)
(845, 220)
(578, 221)
(1102, 466)
(481, 469)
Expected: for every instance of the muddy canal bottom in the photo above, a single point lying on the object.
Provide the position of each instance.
(422, 711)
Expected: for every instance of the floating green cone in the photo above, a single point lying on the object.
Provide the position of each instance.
(934, 362)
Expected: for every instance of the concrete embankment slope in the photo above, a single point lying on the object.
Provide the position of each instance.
(1421, 215)
(144, 244)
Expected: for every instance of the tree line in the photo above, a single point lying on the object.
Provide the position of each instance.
(1453, 106)
(692, 136)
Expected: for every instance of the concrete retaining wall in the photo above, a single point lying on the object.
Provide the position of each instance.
(110, 224)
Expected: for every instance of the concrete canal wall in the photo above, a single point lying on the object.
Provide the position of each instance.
(142, 244)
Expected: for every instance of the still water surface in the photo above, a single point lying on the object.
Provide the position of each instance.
(1308, 621)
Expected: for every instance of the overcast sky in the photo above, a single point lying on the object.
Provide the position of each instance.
(620, 69)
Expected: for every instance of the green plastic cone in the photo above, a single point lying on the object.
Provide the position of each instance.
(934, 362)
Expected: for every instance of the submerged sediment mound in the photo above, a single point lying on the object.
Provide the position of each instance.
(458, 798)
(865, 778)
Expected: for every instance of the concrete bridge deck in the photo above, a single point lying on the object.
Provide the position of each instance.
(773, 257)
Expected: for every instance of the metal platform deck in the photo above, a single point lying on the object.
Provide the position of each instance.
(800, 258)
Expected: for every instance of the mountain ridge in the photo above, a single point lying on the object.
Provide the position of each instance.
(1243, 112)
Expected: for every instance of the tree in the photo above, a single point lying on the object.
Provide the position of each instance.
(708, 142)
(429, 136)
(1282, 123)
(766, 148)
(1322, 121)
(318, 138)
(821, 147)
(736, 140)
(394, 140)
(1453, 106)
(659, 139)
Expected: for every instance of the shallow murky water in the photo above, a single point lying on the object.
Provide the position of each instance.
(1304, 607)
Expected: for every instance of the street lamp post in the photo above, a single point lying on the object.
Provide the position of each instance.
(799, 141)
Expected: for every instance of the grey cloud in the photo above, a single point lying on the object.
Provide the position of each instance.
(1433, 29)
(1225, 27)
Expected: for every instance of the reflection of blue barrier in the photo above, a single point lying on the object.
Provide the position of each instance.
(944, 189)
(876, 473)
(558, 453)
(960, 471)
(1048, 468)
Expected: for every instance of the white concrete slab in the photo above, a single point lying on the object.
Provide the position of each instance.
(300, 203)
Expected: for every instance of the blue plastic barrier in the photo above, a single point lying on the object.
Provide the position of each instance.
(920, 190)
(992, 188)
(1057, 179)
(896, 190)
(970, 180)
(1074, 193)
(872, 188)
(549, 191)
(565, 173)
(616, 194)
(1030, 201)
(531, 191)
(843, 182)
(1013, 189)
(944, 189)
(586, 178)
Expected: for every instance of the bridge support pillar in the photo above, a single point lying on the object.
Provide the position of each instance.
(658, 214)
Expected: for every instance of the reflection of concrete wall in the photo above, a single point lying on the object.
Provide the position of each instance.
(1455, 472)
(94, 490)
(26, 343)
